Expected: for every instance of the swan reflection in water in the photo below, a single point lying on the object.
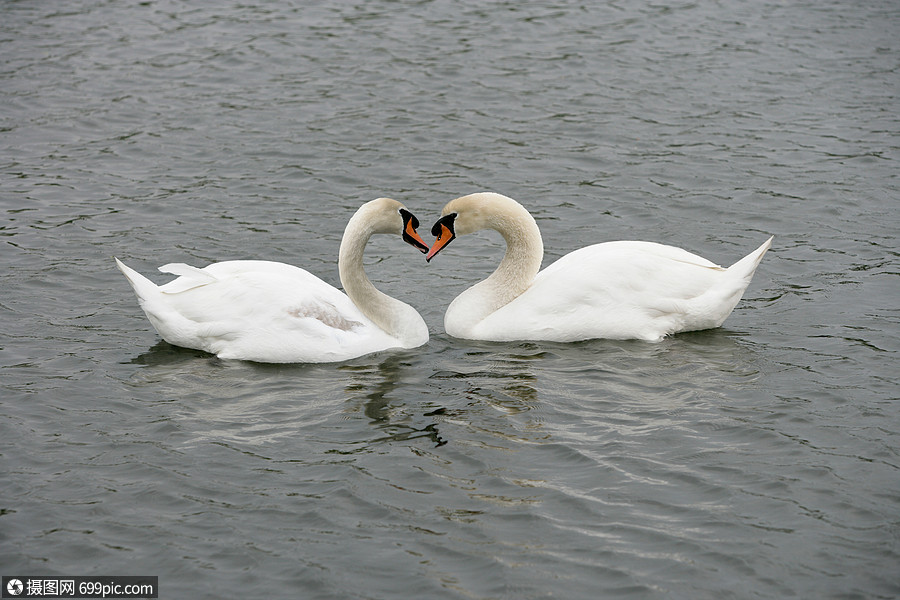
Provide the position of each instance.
(388, 393)
(379, 387)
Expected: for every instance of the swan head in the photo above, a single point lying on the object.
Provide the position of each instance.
(384, 215)
(468, 214)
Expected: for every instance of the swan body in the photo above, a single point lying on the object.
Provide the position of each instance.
(613, 290)
(273, 312)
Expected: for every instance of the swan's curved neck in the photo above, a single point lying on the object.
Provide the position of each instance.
(522, 260)
(515, 273)
(393, 316)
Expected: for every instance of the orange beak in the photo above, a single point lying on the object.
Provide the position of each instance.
(412, 237)
(444, 237)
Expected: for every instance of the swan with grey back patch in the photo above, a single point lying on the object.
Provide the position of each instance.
(274, 312)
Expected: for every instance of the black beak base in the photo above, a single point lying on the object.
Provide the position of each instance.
(411, 223)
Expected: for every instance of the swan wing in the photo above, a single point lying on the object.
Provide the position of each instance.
(618, 290)
(189, 278)
(260, 310)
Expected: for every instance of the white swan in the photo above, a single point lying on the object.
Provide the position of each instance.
(615, 290)
(272, 312)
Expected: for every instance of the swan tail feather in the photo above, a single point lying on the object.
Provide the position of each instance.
(746, 267)
(143, 287)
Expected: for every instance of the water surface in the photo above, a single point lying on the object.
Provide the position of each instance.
(758, 460)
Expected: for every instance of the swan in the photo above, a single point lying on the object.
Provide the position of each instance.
(273, 312)
(614, 290)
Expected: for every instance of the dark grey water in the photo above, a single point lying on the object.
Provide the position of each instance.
(755, 461)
